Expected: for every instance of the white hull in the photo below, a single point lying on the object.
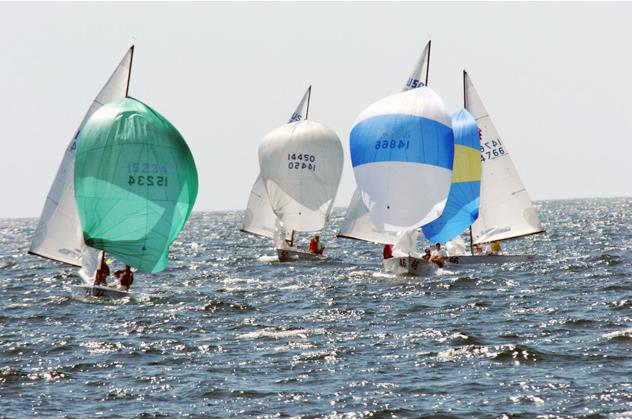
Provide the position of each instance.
(488, 259)
(286, 255)
(103, 292)
(409, 265)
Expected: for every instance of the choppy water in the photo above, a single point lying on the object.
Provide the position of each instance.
(225, 333)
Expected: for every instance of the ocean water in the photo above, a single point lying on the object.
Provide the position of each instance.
(227, 332)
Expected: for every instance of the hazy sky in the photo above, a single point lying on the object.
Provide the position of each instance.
(554, 77)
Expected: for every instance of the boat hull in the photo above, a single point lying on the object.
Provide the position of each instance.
(103, 292)
(488, 259)
(287, 255)
(409, 266)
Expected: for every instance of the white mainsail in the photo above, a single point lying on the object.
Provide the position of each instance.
(302, 110)
(357, 223)
(259, 218)
(505, 208)
(58, 235)
(301, 164)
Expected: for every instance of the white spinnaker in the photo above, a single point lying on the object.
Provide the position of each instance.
(357, 224)
(505, 210)
(259, 218)
(419, 76)
(301, 165)
(58, 235)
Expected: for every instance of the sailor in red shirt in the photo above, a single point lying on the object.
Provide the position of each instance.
(315, 247)
(387, 252)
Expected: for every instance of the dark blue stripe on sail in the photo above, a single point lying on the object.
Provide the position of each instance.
(402, 138)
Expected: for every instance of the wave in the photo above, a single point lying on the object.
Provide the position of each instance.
(503, 352)
(216, 305)
(276, 334)
(622, 335)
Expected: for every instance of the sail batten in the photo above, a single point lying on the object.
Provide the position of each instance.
(58, 234)
(505, 210)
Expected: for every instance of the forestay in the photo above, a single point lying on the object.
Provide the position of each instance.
(461, 209)
(135, 183)
(259, 219)
(505, 208)
(58, 234)
(301, 165)
(402, 151)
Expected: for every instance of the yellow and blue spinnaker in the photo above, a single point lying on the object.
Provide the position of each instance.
(461, 209)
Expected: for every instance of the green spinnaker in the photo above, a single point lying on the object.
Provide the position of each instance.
(135, 183)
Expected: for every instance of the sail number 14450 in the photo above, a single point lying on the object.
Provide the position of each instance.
(301, 161)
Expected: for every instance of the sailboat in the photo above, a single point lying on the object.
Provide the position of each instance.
(505, 208)
(259, 218)
(402, 151)
(125, 186)
(301, 165)
(357, 223)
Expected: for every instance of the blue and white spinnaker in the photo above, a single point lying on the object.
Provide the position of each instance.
(402, 151)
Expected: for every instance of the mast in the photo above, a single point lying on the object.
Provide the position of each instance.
(129, 73)
(309, 96)
(465, 107)
(428, 63)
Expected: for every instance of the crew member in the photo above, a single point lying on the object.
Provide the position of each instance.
(387, 252)
(494, 248)
(101, 277)
(127, 278)
(315, 246)
(438, 255)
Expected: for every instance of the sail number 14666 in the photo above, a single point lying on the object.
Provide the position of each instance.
(392, 144)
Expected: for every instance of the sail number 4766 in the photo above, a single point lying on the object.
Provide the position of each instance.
(491, 149)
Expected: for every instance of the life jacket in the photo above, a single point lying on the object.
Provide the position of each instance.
(127, 279)
(313, 246)
(387, 252)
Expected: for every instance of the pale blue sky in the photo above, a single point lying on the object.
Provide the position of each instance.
(554, 77)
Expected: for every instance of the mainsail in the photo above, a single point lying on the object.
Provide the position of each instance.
(135, 183)
(259, 218)
(461, 209)
(301, 165)
(402, 151)
(505, 208)
(357, 223)
(419, 76)
(58, 234)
